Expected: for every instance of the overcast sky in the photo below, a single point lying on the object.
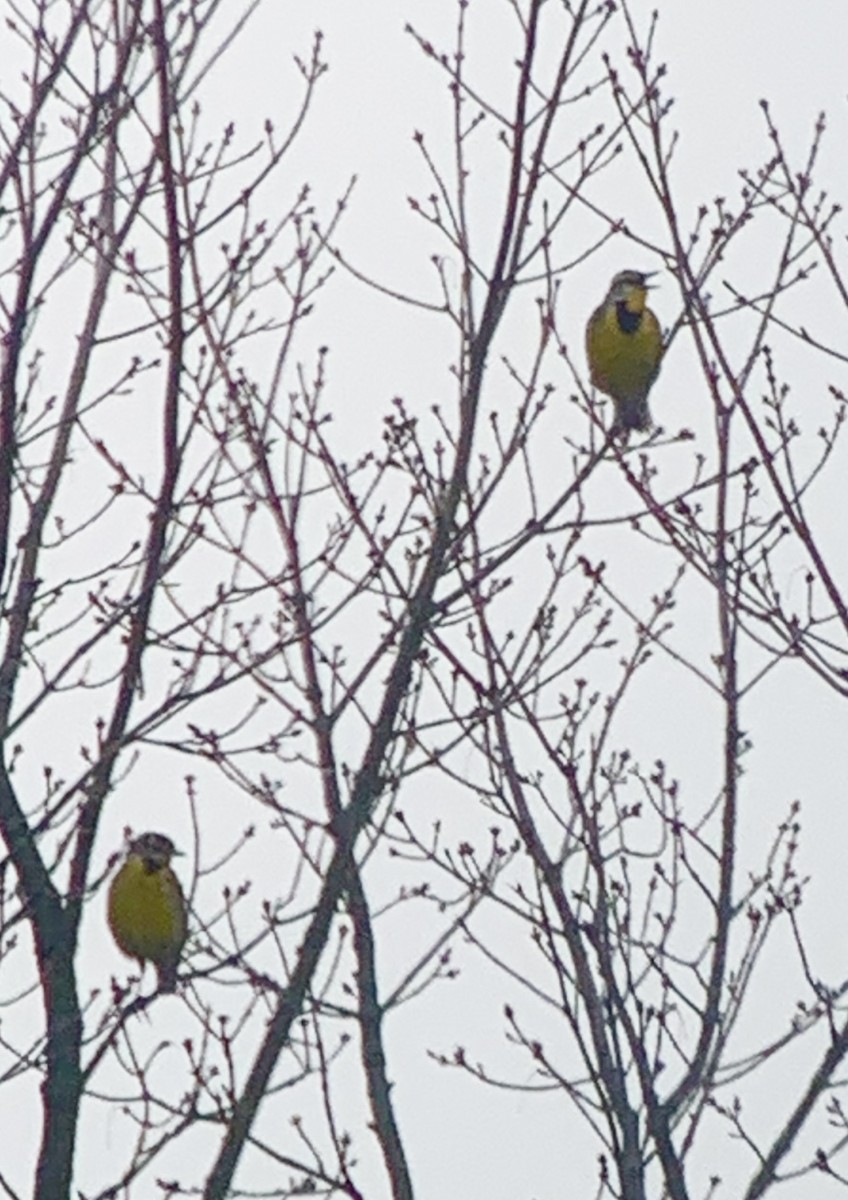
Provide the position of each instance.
(723, 57)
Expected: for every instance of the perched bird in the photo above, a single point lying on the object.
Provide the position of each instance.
(147, 908)
(624, 347)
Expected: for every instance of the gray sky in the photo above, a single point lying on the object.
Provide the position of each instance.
(722, 59)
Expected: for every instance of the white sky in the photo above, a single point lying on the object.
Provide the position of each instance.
(722, 57)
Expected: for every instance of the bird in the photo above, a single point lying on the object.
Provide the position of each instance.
(624, 346)
(147, 909)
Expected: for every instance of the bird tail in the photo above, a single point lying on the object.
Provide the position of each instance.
(632, 412)
(167, 973)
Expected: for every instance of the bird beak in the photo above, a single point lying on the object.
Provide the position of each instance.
(646, 275)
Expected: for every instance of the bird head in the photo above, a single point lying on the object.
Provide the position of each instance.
(630, 288)
(156, 849)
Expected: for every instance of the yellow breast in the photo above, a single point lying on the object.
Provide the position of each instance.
(623, 365)
(147, 912)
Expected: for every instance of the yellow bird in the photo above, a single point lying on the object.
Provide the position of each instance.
(624, 347)
(147, 908)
